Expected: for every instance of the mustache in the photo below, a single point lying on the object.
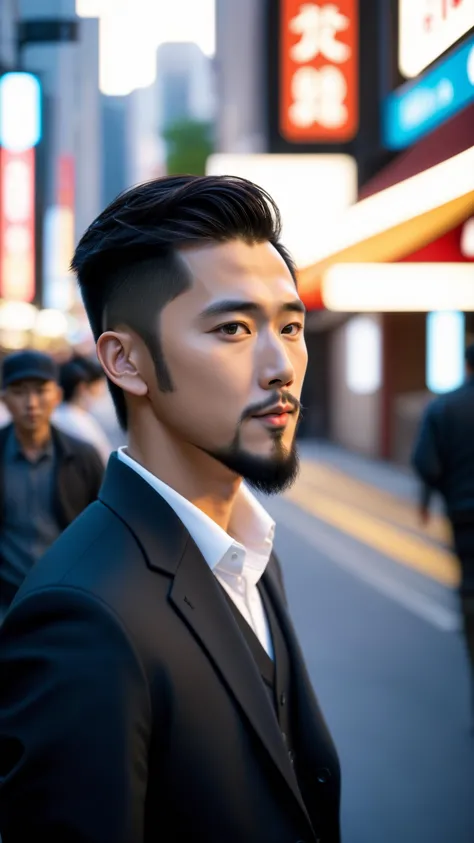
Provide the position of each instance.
(282, 397)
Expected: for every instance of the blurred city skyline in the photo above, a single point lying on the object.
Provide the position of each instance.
(131, 31)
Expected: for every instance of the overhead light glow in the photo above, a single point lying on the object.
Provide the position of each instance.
(17, 316)
(20, 111)
(51, 324)
(467, 238)
(445, 339)
(403, 201)
(363, 355)
(397, 287)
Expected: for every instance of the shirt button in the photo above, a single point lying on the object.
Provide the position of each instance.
(235, 555)
(282, 699)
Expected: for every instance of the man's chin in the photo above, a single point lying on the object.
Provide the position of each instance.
(266, 473)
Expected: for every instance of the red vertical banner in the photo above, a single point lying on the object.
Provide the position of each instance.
(17, 225)
(66, 176)
(319, 70)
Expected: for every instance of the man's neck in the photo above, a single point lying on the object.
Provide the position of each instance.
(33, 441)
(191, 472)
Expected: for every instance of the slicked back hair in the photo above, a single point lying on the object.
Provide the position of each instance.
(127, 262)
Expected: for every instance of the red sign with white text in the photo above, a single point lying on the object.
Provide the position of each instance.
(319, 70)
(17, 224)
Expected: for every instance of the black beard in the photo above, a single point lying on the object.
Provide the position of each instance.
(268, 475)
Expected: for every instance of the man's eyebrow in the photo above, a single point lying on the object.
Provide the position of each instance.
(220, 308)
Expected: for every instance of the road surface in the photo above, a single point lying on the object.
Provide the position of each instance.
(373, 600)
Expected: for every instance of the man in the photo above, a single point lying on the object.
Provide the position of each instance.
(444, 459)
(46, 477)
(152, 686)
(78, 383)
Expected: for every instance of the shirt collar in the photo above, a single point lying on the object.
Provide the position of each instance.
(17, 451)
(251, 525)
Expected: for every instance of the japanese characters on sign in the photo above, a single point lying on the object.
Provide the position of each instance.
(429, 27)
(318, 70)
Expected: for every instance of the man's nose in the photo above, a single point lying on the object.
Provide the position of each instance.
(32, 399)
(276, 367)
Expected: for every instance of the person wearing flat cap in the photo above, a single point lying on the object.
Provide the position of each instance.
(46, 477)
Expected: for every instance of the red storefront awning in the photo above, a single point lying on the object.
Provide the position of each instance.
(411, 229)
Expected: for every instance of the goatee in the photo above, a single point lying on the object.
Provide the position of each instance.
(268, 475)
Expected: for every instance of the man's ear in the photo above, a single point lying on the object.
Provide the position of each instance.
(120, 359)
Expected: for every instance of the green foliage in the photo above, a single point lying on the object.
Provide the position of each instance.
(189, 144)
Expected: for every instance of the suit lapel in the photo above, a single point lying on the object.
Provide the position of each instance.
(197, 597)
(317, 747)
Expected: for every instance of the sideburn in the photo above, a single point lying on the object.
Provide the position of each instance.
(153, 343)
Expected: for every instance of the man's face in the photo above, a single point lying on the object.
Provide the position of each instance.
(235, 349)
(31, 403)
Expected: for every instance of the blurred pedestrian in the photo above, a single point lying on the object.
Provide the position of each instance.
(444, 459)
(46, 477)
(151, 683)
(78, 381)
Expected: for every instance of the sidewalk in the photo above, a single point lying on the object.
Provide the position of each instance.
(395, 480)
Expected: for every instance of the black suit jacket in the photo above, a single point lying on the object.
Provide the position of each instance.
(131, 709)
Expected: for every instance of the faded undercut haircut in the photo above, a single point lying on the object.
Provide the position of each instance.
(127, 264)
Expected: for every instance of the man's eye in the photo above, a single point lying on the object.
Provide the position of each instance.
(232, 329)
(293, 329)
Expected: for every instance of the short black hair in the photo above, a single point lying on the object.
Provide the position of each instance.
(469, 356)
(127, 263)
(71, 375)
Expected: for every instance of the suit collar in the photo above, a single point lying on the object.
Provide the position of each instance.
(153, 522)
(250, 534)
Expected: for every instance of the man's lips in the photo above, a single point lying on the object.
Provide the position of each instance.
(277, 416)
(276, 410)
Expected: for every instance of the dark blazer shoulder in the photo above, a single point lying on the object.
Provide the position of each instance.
(97, 556)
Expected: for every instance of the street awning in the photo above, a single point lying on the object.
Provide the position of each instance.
(395, 222)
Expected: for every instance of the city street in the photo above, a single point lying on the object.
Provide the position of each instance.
(372, 599)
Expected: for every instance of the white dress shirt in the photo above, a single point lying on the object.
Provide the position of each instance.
(238, 562)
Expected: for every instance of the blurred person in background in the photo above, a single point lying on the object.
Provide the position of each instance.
(5, 417)
(80, 382)
(152, 686)
(443, 458)
(46, 477)
(101, 406)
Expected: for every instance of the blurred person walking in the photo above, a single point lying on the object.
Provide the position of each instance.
(78, 380)
(443, 458)
(152, 686)
(46, 477)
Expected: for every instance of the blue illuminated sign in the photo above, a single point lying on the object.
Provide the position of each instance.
(418, 107)
(20, 111)
(445, 332)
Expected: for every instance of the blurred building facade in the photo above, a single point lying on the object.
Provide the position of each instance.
(184, 84)
(391, 84)
(62, 52)
(411, 223)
